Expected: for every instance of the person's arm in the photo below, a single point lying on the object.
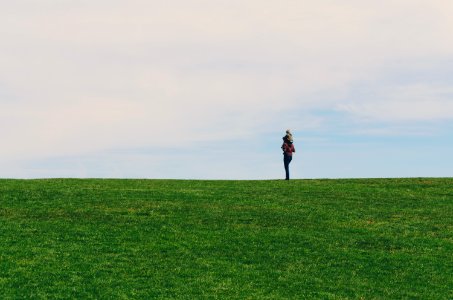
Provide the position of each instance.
(293, 148)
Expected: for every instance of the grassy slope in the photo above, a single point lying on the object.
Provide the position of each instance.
(370, 238)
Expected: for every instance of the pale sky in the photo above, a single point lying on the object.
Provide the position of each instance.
(206, 88)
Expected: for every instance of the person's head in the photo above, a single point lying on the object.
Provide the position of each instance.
(287, 139)
(289, 136)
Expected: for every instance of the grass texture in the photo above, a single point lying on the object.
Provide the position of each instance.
(160, 239)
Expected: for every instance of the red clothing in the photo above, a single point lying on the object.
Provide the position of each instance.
(288, 149)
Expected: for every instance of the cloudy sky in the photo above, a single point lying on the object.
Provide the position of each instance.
(206, 88)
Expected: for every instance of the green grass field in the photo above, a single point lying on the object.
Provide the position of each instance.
(323, 239)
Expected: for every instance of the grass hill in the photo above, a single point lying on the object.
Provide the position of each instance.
(328, 239)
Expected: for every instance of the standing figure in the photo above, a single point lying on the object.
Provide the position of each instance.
(288, 150)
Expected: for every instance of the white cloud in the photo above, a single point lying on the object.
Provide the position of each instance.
(83, 76)
(419, 102)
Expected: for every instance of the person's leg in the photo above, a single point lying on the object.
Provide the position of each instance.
(286, 161)
(286, 166)
(290, 158)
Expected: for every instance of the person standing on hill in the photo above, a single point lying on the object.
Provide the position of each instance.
(288, 150)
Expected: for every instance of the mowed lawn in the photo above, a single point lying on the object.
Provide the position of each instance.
(302, 239)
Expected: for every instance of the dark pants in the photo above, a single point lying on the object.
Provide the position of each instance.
(286, 160)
